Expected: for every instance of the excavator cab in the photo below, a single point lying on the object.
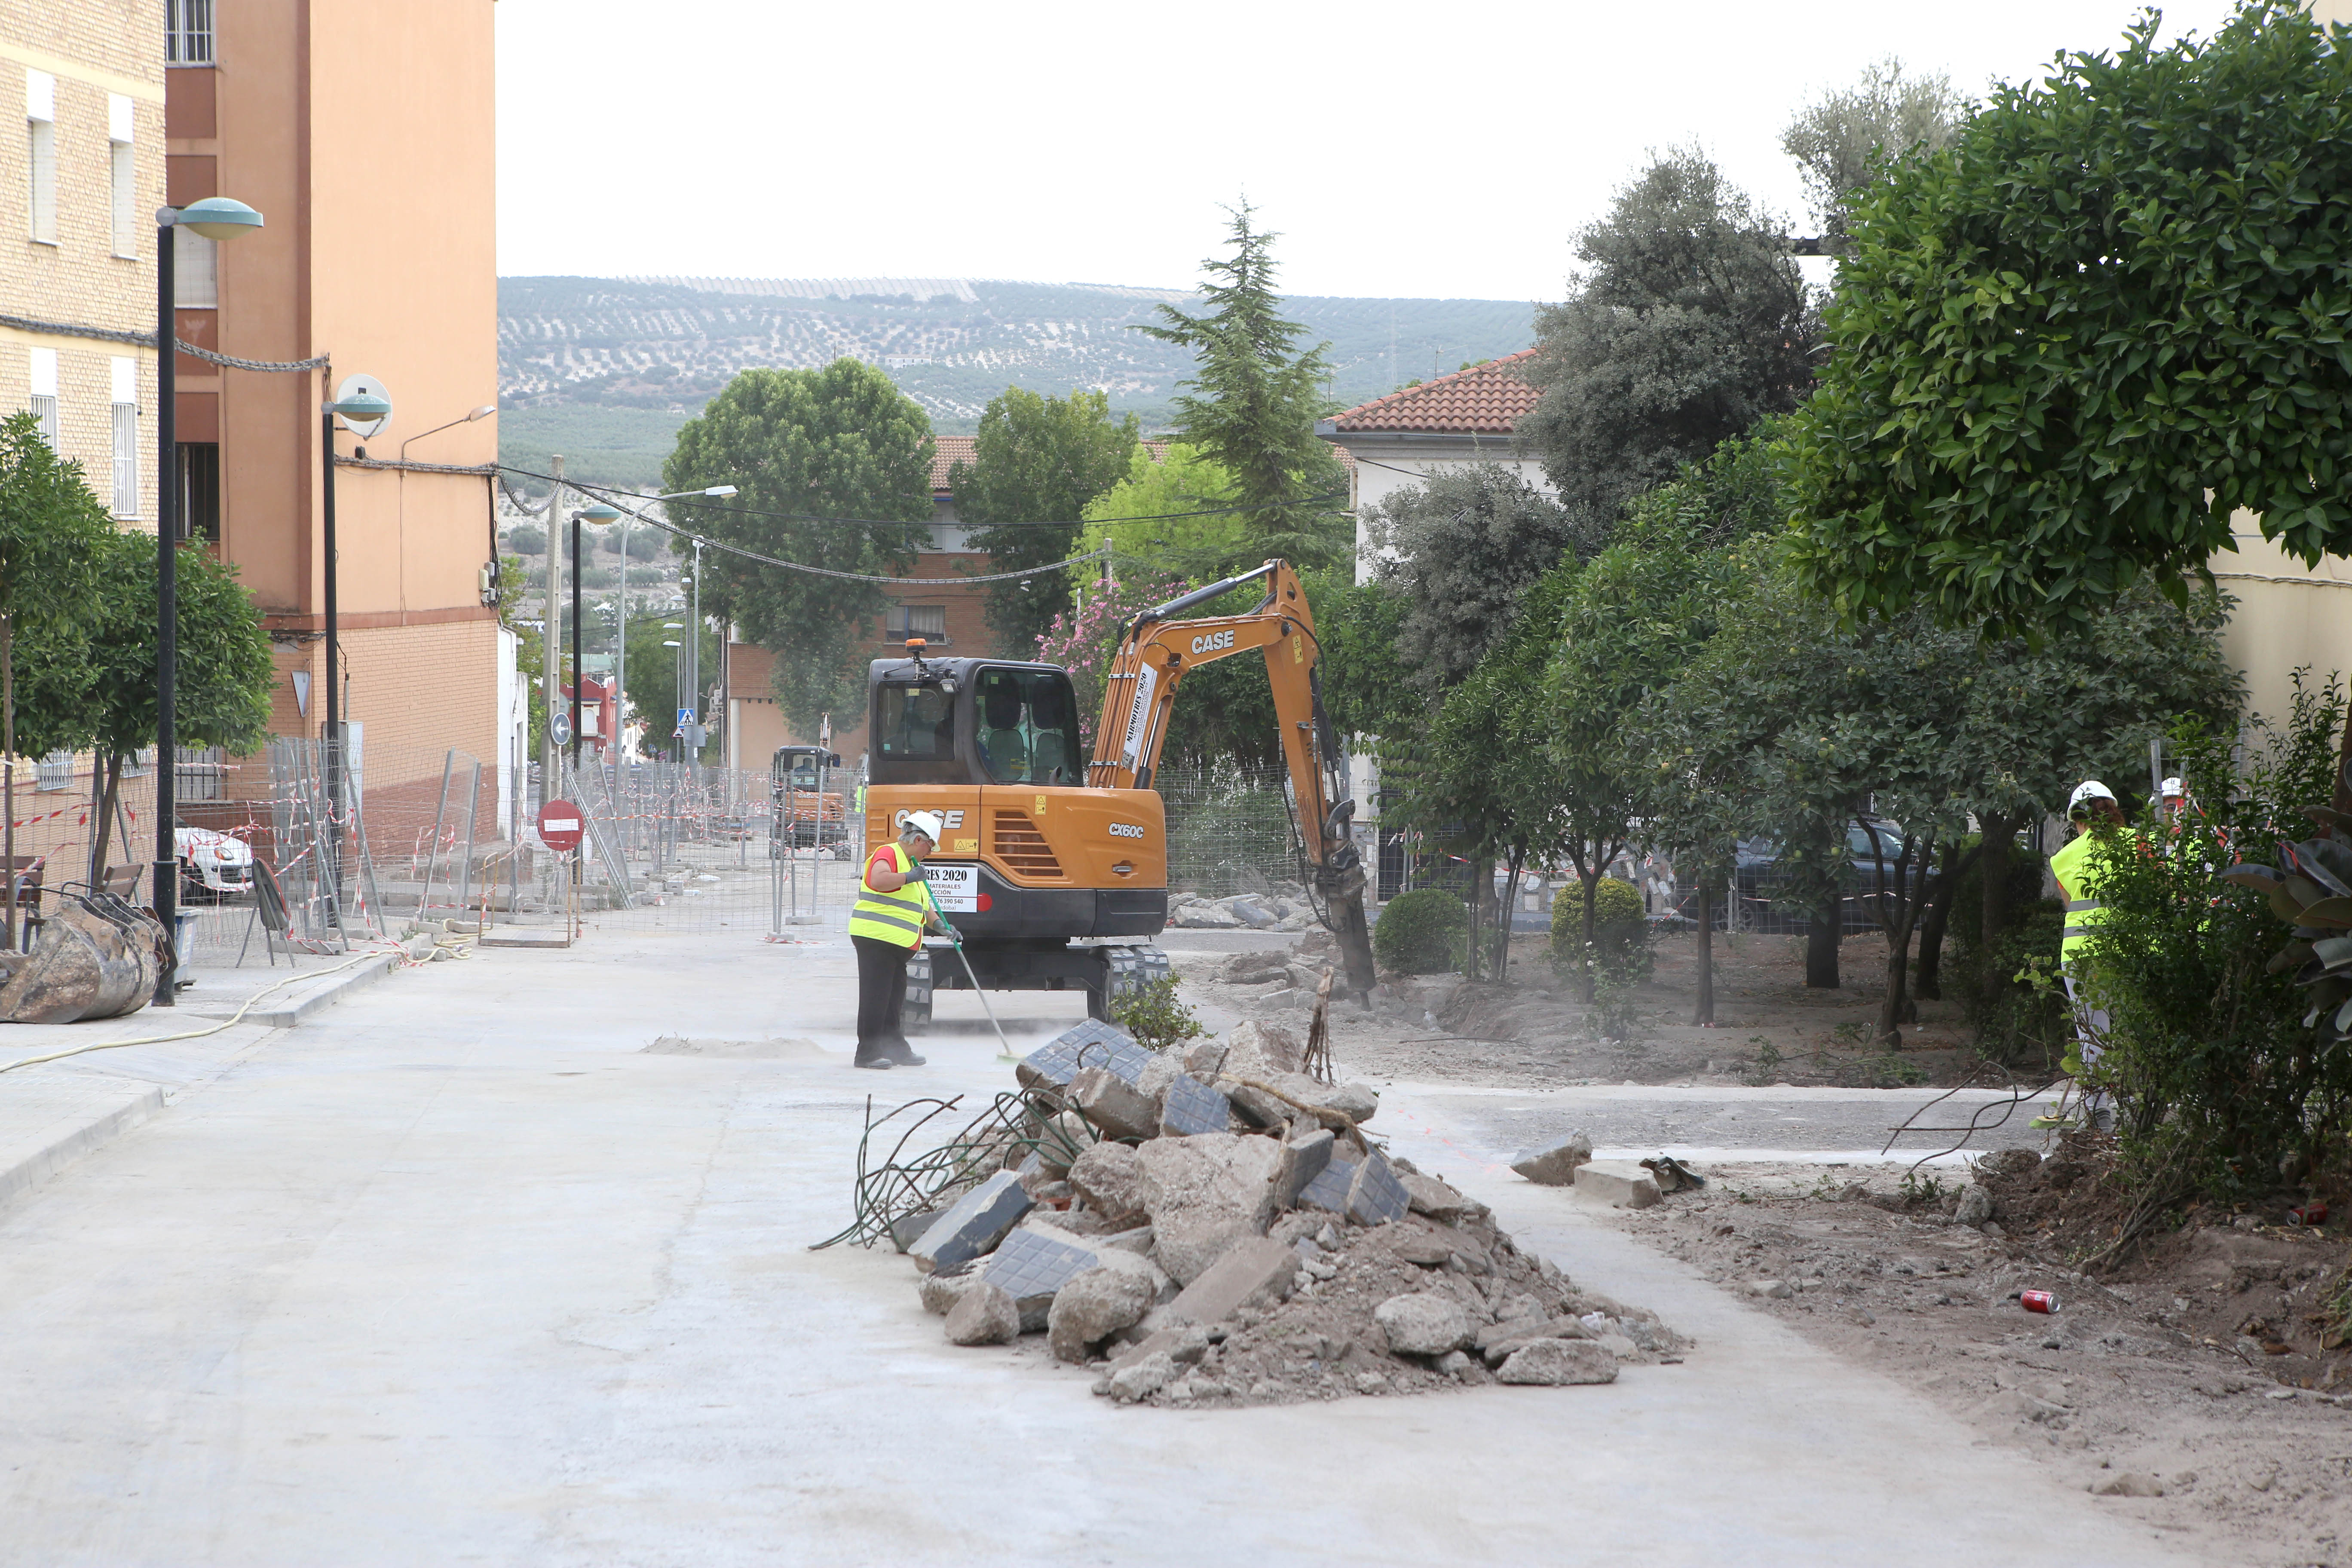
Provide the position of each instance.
(974, 721)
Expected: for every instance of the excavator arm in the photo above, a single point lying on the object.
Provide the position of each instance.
(1156, 651)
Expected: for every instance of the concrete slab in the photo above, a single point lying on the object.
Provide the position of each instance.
(461, 1272)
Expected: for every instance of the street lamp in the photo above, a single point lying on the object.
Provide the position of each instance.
(215, 218)
(358, 405)
(600, 514)
(484, 412)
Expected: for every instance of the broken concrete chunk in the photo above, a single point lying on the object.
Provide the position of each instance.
(941, 1291)
(1423, 1323)
(1251, 1273)
(1204, 1194)
(1303, 1159)
(1620, 1184)
(1204, 1059)
(1191, 1106)
(1328, 1191)
(1062, 1139)
(1552, 1363)
(1141, 1379)
(1976, 1205)
(1377, 1195)
(984, 1315)
(1439, 1202)
(973, 1223)
(1158, 1074)
(1113, 1104)
(1260, 1051)
(2127, 1483)
(1093, 1305)
(1555, 1166)
(1091, 1044)
(1110, 1177)
(907, 1228)
(1135, 1239)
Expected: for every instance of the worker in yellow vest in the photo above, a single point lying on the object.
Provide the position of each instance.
(2098, 823)
(893, 909)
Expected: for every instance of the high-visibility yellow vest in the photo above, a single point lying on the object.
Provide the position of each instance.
(892, 917)
(2073, 866)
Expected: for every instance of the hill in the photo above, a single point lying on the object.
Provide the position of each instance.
(605, 369)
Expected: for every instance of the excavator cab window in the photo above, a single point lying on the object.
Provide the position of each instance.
(1028, 722)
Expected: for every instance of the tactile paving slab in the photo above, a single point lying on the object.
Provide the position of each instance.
(1192, 1107)
(1030, 1265)
(1378, 1194)
(1329, 1190)
(1093, 1043)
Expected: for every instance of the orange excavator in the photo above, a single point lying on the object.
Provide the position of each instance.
(1055, 868)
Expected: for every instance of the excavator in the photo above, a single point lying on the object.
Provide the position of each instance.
(1053, 864)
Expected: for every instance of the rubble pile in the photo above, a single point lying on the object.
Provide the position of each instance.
(1242, 912)
(1212, 1226)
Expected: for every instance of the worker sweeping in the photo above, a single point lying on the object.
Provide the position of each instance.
(2098, 822)
(893, 909)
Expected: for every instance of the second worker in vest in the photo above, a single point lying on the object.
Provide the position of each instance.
(2099, 824)
(893, 909)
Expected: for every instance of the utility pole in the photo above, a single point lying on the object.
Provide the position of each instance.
(693, 733)
(551, 643)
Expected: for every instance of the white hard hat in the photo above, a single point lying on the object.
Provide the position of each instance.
(2089, 789)
(926, 823)
(2170, 788)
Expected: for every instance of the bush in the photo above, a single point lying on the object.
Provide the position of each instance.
(2026, 1024)
(1620, 929)
(1424, 932)
(1154, 1016)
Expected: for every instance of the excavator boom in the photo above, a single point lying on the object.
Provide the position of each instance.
(1156, 651)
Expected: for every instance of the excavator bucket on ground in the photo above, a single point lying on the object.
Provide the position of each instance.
(96, 958)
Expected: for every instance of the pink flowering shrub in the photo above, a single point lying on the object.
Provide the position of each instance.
(1084, 640)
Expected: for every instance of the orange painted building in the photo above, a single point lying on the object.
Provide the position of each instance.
(364, 136)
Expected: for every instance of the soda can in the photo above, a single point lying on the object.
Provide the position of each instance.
(2037, 1301)
(2309, 1213)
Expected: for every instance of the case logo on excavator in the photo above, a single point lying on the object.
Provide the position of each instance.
(1213, 642)
(1126, 830)
(955, 819)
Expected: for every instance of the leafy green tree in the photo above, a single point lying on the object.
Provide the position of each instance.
(53, 533)
(834, 468)
(1461, 550)
(2071, 344)
(527, 539)
(222, 682)
(1688, 325)
(1037, 461)
(1844, 140)
(1252, 405)
(1165, 517)
(1368, 685)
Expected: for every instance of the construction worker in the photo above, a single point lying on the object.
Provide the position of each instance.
(2097, 820)
(893, 909)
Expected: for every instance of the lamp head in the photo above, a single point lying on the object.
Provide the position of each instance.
(719, 490)
(217, 217)
(484, 412)
(361, 407)
(600, 514)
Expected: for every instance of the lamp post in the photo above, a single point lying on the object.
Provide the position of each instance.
(484, 412)
(216, 219)
(358, 405)
(621, 627)
(677, 681)
(599, 514)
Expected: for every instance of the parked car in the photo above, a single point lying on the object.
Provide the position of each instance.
(1873, 847)
(212, 865)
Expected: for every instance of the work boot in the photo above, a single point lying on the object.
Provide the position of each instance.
(901, 1054)
(877, 1059)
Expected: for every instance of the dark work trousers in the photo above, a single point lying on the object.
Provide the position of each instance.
(881, 993)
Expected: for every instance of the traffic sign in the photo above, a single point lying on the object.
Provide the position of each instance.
(685, 716)
(560, 825)
(559, 726)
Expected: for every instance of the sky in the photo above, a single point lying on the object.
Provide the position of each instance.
(1400, 151)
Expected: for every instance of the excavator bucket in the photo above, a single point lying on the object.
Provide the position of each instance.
(96, 958)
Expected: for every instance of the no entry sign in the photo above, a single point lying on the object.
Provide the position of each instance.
(560, 825)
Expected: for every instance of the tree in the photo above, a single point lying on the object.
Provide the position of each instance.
(222, 681)
(1844, 140)
(1253, 403)
(527, 539)
(1037, 461)
(1461, 550)
(833, 469)
(1689, 324)
(52, 534)
(2071, 344)
(1171, 518)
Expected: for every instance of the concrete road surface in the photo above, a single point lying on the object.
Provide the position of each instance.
(458, 1273)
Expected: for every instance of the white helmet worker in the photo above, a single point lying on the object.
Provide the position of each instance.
(2089, 789)
(2170, 789)
(926, 823)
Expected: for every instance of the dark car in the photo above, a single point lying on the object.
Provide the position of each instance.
(1873, 845)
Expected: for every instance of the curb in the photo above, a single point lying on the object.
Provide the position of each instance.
(42, 1164)
(288, 1011)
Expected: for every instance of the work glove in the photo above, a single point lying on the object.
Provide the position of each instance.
(950, 932)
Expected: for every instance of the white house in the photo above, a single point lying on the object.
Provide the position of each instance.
(1402, 439)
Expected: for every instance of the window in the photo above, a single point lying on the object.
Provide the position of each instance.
(44, 394)
(929, 622)
(188, 32)
(200, 507)
(195, 270)
(125, 174)
(41, 138)
(1029, 727)
(126, 437)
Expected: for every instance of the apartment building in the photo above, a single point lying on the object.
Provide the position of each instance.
(83, 177)
(364, 136)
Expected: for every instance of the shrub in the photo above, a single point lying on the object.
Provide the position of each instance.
(1424, 932)
(2027, 1024)
(1620, 929)
(1154, 1016)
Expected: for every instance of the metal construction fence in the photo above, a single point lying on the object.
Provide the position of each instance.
(1228, 830)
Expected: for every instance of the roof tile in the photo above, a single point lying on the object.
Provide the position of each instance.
(1486, 399)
